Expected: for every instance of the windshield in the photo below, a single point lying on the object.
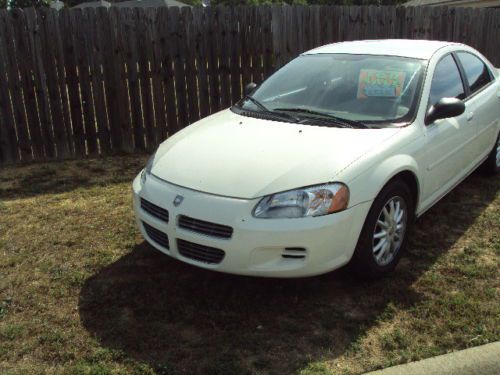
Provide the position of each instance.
(357, 88)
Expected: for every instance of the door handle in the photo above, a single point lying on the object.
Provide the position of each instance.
(470, 116)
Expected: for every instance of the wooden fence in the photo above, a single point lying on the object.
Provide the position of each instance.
(96, 81)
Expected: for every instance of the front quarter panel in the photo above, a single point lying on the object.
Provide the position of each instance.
(368, 185)
(378, 168)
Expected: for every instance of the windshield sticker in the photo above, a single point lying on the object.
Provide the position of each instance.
(385, 83)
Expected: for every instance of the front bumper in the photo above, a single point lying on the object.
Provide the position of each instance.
(257, 247)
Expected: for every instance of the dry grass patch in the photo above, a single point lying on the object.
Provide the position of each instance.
(81, 293)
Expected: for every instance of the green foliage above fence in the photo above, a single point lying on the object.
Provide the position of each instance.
(94, 82)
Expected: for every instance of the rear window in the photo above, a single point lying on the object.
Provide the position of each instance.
(476, 71)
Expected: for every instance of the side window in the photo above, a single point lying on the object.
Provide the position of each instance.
(446, 82)
(476, 71)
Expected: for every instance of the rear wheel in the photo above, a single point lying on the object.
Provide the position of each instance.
(491, 165)
(384, 234)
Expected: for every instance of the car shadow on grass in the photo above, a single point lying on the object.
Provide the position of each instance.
(181, 319)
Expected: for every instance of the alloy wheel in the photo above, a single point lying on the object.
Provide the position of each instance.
(390, 230)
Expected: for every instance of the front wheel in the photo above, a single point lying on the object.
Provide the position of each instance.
(385, 232)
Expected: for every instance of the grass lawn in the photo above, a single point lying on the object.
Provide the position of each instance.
(81, 293)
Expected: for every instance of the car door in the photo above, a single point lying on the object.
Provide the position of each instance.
(484, 101)
(444, 156)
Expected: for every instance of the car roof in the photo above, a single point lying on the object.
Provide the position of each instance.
(419, 49)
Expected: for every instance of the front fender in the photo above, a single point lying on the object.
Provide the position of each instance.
(366, 186)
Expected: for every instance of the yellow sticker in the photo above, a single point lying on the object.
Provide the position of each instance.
(380, 83)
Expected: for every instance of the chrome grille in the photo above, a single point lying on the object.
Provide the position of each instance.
(201, 253)
(156, 235)
(205, 227)
(154, 210)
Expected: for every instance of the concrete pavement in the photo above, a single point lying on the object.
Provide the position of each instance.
(481, 360)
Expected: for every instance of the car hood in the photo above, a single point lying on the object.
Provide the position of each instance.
(235, 156)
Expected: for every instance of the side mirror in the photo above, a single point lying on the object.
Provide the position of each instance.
(444, 108)
(249, 87)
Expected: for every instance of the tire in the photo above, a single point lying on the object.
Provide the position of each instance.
(372, 257)
(491, 166)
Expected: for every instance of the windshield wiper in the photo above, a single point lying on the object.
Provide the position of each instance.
(263, 108)
(338, 120)
(257, 103)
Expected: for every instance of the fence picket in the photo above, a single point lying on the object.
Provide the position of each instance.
(243, 41)
(24, 52)
(97, 78)
(223, 19)
(178, 37)
(48, 33)
(199, 23)
(8, 140)
(160, 120)
(189, 53)
(146, 61)
(234, 56)
(82, 50)
(120, 94)
(129, 40)
(167, 70)
(73, 90)
(16, 86)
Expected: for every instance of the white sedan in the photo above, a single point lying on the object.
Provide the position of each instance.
(327, 162)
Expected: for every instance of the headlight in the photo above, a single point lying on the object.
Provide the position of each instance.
(310, 201)
(147, 169)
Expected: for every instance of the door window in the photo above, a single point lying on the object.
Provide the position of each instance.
(476, 71)
(446, 82)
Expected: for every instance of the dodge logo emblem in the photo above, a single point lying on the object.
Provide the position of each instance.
(178, 200)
